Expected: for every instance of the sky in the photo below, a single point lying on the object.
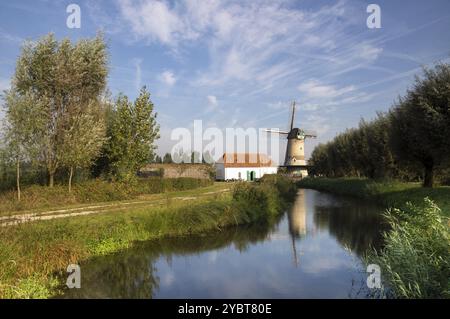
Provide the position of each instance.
(241, 63)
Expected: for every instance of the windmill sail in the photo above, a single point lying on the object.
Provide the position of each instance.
(276, 131)
(292, 116)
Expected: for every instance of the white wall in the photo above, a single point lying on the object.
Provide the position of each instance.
(233, 172)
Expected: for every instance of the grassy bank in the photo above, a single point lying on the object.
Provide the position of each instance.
(388, 193)
(94, 191)
(32, 254)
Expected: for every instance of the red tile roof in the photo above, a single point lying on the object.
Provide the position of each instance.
(245, 160)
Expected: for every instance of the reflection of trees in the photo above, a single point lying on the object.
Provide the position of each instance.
(129, 274)
(132, 274)
(356, 226)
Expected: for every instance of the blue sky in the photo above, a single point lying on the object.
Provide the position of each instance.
(240, 63)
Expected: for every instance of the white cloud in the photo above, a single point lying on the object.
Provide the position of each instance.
(153, 20)
(315, 89)
(168, 78)
(369, 52)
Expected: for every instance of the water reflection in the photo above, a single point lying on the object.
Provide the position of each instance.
(133, 273)
(300, 254)
(355, 224)
(297, 222)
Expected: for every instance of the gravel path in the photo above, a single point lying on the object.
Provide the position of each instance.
(89, 210)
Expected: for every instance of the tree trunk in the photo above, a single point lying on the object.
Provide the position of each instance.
(70, 179)
(51, 178)
(428, 180)
(18, 178)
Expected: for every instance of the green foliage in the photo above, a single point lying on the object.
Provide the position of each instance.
(415, 261)
(361, 152)
(167, 158)
(413, 136)
(66, 79)
(132, 135)
(269, 195)
(421, 122)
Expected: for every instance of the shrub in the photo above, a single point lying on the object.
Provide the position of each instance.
(415, 261)
(267, 197)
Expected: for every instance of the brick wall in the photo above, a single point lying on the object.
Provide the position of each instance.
(201, 171)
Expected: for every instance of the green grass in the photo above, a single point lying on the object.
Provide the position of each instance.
(33, 254)
(38, 197)
(388, 193)
(415, 260)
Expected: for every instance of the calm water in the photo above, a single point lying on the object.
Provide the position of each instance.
(311, 251)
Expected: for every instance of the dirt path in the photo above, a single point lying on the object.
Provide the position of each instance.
(95, 209)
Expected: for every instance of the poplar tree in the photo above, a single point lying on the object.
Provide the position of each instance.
(132, 135)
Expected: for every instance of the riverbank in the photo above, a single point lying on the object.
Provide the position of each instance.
(34, 256)
(415, 259)
(387, 193)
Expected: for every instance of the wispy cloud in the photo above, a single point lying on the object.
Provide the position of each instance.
(315, 89)
(9, 37)
(138, 75)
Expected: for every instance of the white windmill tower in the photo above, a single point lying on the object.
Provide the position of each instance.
(294, 161)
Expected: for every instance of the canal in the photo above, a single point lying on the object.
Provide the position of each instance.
(313, 250)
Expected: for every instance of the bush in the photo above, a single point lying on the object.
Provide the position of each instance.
(267, 197)
(284, 186)
(415, 262)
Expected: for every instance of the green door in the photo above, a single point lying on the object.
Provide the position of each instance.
(248, 176)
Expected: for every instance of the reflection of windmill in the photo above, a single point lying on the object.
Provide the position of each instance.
(294, 161)
(297, 221)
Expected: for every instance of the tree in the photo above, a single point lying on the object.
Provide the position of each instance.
(83, 139)
(65, 76)
(157, 159)
(167, 159)
(421, 122)
(24, 128)
(133, 133)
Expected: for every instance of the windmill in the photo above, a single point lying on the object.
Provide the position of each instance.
(294, 160)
